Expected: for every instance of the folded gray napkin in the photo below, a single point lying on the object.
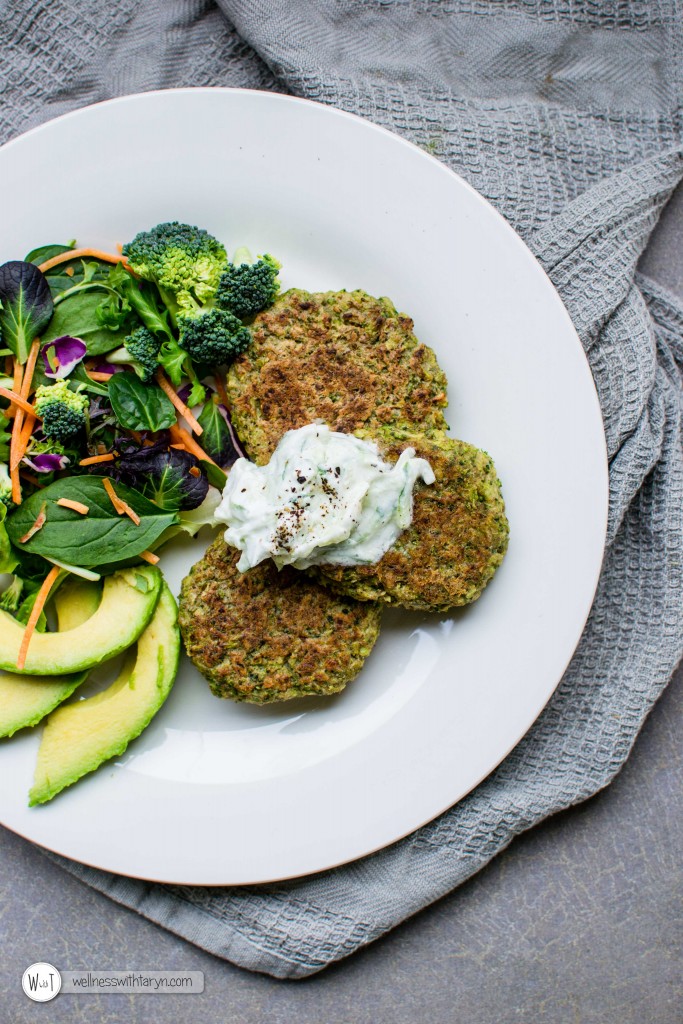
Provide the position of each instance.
(566, 114)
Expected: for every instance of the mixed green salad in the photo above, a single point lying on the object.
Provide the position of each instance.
(114, 429)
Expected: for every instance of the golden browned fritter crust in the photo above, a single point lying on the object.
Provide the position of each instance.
(343, 357)
(457, 538)
(265, 635)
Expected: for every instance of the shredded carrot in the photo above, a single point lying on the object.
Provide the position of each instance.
(119, 247)
(38, 606)
(18, 375)
(30, 368)
(20, 403)
(92, 460)
(113, 496)
(97, 375)
(18, 379)
(32, 479)
(122, 507)
(136, 435)
(181, 435)
(167, 388)
(76, 254)
(9, 366)
(179, 447)
(76, 506)
(21, 431)
(16, 485)
(220, 388)
(69, 271)
(27, 429)
(38, 525)
(149, 556)
(130, 512)
(195, 471)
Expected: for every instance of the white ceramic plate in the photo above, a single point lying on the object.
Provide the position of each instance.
(218, 793)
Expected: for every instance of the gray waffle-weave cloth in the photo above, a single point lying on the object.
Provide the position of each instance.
(566, 114)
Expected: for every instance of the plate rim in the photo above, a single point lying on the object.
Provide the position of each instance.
(523, 251)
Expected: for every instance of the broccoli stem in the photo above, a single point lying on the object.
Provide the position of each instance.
(242, 255)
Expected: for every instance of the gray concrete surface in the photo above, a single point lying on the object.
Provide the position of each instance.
(580, 921)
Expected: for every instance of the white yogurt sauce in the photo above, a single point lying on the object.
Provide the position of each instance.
(324, 498)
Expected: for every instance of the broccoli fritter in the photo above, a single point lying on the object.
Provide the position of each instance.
(343, 357)
(455, 542)
(264, 635)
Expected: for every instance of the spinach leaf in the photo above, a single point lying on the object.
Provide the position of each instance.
(97, 540)
(79, 376)
(45, 252)
(77, 316)
(8, 559)
(25, 306)
(214, 474)
(5, 438)
(217, 440)
(143, 298)
(23, 612)
(76, 274)
(140, 406)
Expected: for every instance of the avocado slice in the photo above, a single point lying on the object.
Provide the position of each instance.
(25, 700)
(128, 600)
(76, 601)
(79, 737)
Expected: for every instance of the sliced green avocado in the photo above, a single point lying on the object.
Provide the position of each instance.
(128, 600)
(76, 601)
(78, 737)
(25, 700)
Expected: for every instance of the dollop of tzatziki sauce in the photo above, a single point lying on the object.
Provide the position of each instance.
(324, 498)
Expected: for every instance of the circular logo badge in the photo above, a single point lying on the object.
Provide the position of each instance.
(41, 982)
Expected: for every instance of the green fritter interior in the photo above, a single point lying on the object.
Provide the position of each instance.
(456, 541)
(265, 635)
(344, 357)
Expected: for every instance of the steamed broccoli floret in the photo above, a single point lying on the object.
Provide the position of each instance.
(11, 597)
(185, 262)
(188, 265)
(141, 351)
(64, 412)
(248, 286)
(214, 337)
(5, 486)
